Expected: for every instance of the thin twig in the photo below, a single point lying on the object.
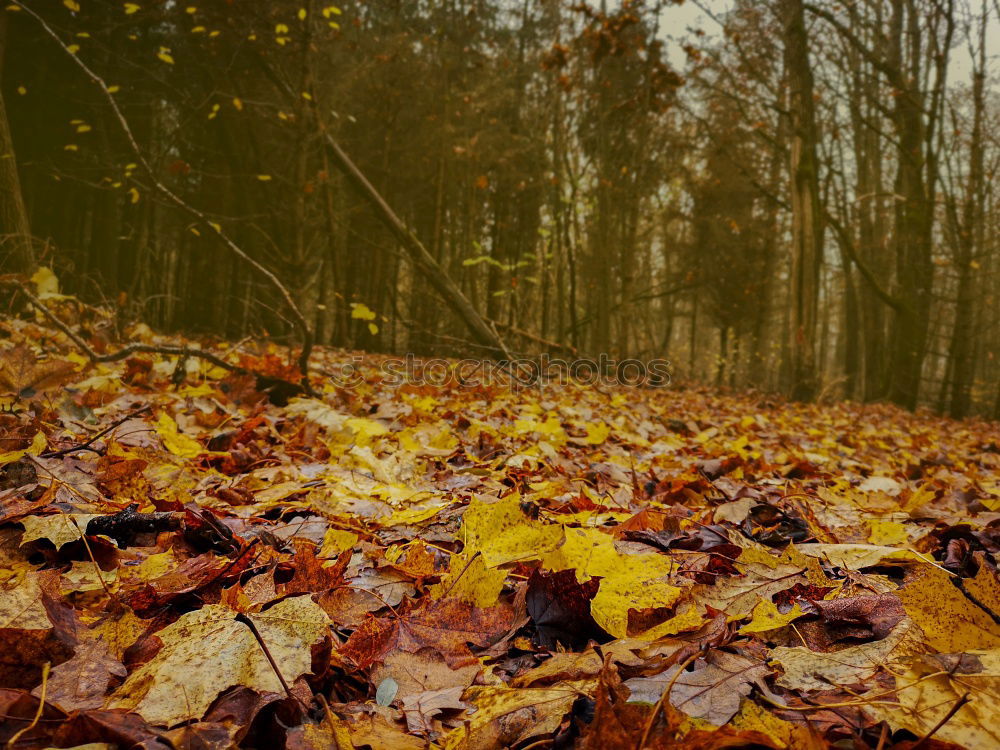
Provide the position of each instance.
(97, 436)
(38, 714)
(460, 574)
(90, 552)
(267, 652)
(336, 726)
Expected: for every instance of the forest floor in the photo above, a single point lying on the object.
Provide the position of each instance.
(187, 561)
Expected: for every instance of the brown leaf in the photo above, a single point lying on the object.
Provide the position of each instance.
(36, 627)
(422, 671)
(82, 682)
(711, 691)
(447, 625)
(22, 373)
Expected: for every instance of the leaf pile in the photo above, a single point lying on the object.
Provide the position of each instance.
(190, 560)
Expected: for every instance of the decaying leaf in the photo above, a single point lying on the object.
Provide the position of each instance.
(712, 690)
(507, 716)
(210, 650)
(852, 666)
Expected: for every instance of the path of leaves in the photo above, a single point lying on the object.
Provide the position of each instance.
(425, 566)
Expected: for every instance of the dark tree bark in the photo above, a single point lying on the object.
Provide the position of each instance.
(807, 216)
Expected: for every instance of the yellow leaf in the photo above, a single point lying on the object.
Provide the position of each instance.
(753, 717)
(190, 10)
(59, 529)
(890, 533)
(805, 669)
(503, 534)
(238, 103)
(45, 282)
(372, 329)
(627, 581)
(855, 556)
(336, 541)
(932, 685)
(175, 441)
(302, 14)
(597, 433)
(83, 128)
(22, 90)
(165, 56)
(690, 618)
(114, 89)
(767, 617)
(21, 605)
(951, 621)
(635, 589)
(473, 582)
(131, 8)
(73, 48)
(413, 516)
(264, 177)
(38, 444)
(365, 429)
(196, 391)
(133, 195)
(360, 311)
(72, 5)
(504, 716)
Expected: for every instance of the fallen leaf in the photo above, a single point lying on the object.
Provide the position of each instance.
(949, 619)
(208, 650)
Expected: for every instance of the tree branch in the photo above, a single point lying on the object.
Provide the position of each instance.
(482, 330)
(847, 243)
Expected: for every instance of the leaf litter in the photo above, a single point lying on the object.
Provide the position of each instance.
(193, 561)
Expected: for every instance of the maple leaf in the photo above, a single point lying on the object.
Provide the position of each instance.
(208, 650)
(855, 665)
(951, 621)
(446, 625)
(931, 686)
(21, 372)
(501, 532)
(424, 684)
(82, 682)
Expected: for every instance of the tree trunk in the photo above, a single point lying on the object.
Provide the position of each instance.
(15, 231)
(970, 241)
(807, 224)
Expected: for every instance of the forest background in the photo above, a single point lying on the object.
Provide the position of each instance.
(781, 195)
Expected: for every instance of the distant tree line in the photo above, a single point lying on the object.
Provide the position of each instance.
(806, 205)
